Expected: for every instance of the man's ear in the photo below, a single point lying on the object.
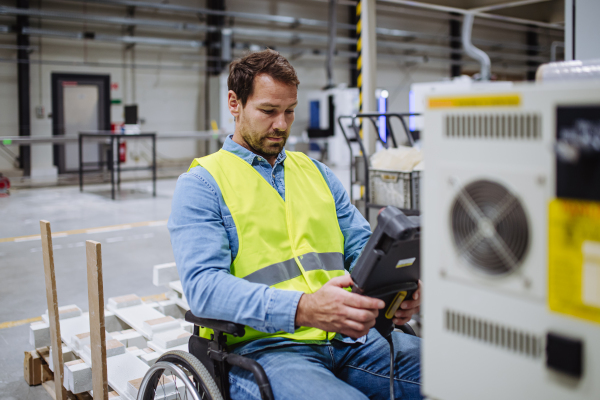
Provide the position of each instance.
(235, 106)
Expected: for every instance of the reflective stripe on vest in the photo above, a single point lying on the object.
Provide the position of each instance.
(289, 269)
(294, 244)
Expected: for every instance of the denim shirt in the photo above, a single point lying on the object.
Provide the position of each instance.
(205, 243)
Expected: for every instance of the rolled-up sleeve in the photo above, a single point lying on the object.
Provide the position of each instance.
(203, 256)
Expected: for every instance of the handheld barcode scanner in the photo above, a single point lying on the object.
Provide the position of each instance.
(389, 266)
(389, 269)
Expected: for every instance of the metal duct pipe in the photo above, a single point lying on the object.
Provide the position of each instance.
(207, 11)
(473, 51)
(331, 42)
(503, 18)
(113, 38)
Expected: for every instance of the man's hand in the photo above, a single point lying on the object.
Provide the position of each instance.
(334, 309)
(408, 308)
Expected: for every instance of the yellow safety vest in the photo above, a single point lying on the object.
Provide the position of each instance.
(294, 244)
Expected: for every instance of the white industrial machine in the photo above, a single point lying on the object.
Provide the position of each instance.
(420, 91)
(511, 245)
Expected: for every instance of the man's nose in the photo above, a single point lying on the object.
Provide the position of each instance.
(280, 123)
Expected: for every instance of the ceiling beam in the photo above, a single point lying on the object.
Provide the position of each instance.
(463, 11)
(502, 6)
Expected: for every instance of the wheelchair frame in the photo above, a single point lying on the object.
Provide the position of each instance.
(214, 356)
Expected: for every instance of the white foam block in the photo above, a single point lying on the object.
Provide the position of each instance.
(135, 339)
(176, 294)
(124, 301)
(153, 304)
(156, 325)
(130, 338)
(162, 274)
(136, 315)
(136, 351)
(80, 340)
(161, 350)
(170, 308)
(188, 326)
(114, 348)
(166, 385)
(67, 354)
(78, 375)
(74, 326)
(64, 312)
(150, 358)
(122, 369)
(112, 323)
(39, 334)
(170, 339)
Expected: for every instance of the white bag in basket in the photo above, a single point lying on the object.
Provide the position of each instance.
(401, 159)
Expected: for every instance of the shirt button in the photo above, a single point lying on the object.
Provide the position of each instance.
(259, 159)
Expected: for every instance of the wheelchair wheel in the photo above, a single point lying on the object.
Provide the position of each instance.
(167, 379)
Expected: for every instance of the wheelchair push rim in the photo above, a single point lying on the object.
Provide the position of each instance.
(181, 365)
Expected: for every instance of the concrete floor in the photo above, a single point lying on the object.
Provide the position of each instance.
(128, 257)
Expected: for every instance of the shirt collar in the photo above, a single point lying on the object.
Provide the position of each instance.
(246, 154)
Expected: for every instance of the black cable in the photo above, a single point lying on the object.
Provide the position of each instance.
(391, 342)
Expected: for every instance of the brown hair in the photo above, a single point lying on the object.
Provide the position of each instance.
(243, 71)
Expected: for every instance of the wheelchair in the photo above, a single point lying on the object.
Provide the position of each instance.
(203, 373)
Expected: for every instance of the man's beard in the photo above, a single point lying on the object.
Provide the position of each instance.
(261, 145)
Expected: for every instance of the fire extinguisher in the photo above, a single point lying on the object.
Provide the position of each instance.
(123, 152)
(4, 186)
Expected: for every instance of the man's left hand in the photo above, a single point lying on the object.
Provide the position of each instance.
(408, 308)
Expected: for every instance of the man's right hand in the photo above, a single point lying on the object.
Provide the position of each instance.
(333, 309)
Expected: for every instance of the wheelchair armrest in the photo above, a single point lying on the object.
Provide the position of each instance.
(216, 324)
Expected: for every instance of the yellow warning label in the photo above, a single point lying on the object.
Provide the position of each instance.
(509, 100)
(574, 259)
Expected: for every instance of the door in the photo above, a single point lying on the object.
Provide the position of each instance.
(79, 103)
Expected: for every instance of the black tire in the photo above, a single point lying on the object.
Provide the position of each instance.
(207, 387)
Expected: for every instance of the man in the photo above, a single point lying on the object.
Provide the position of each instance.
(263, 237)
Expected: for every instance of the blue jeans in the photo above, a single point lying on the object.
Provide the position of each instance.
(333, 369)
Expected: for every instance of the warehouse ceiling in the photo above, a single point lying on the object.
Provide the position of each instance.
(517, 38)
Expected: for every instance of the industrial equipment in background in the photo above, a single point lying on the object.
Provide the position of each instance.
(325, 136)
(511, 239)
(390, 177)
(419, 92)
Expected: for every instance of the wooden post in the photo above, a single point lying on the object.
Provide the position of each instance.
(53, 317)
(97, 327)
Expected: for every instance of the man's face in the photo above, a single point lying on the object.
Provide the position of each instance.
(265, 121)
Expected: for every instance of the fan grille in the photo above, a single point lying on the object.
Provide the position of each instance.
(490, 227)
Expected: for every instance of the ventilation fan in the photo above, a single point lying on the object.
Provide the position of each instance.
(489, 227)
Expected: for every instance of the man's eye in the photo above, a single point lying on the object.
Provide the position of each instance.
(289, 111)
(268, 111)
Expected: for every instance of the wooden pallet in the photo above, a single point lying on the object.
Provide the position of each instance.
(37, 372)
